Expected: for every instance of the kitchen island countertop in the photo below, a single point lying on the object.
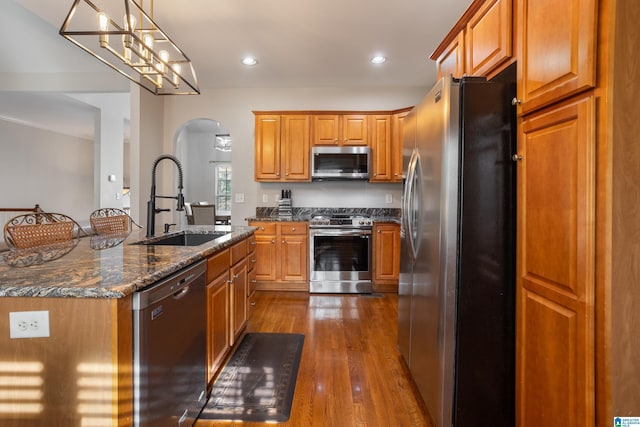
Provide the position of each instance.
(104, 266)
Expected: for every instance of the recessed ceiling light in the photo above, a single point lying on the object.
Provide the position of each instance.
(379, 59)
(249, 60)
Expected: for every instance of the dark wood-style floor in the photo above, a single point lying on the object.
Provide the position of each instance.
(351, 373)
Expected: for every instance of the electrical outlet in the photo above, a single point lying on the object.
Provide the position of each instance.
(265, 198)
(28, 324)
(239, 197)
(388, 198)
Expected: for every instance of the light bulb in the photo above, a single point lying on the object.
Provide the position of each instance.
(103, 25)
(176, 74)
(164, 56)
(147, 40)
(127, 39)
(132, 20)
(103, 21)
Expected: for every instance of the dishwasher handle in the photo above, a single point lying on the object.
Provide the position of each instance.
(176, 286)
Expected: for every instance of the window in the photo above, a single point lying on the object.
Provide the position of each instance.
(223, 188)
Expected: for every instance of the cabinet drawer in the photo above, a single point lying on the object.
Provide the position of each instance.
(251, 244)
(238, 252)
(264, 228)
(293, 228)
(217, 264)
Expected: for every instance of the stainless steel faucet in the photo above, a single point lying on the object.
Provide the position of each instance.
(151, 204)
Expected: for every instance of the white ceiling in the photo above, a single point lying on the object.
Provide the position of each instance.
(298, 43)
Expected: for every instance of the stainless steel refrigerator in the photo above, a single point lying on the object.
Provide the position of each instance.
(456, 306)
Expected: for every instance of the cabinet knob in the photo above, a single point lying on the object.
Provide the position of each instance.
(253, 260)
(254, 243)
(261, 228)
(516, 157)
(254, 281)
(516, 101)
(287, 174)
(293, 229)
(277, 173)
(230, 282)
(273, 241)
(283, 241)
(375, 174)
(235, 276)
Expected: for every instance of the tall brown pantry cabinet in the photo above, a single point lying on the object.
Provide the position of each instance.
(577, 353)
(578, 161)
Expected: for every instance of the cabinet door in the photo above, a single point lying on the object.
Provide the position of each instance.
(397, 141)
(218, 342)
(239, 291)
(386, 252)
(294, 255)
(556, 50)
(325, 129)
(451, 62)
(293, 252)
(381, 148)
(265, 267)
(555, 270)
(488, 37)
(355, 129)
(267, 148)
(252, 282)
(295, 147)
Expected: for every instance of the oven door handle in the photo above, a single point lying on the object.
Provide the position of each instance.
(338, 233)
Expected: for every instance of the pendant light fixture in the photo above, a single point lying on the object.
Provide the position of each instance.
(124, 36)
(223, 142)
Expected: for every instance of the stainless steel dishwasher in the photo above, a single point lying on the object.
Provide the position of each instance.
(169, 351)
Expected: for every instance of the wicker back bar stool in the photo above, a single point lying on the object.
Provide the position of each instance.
(111, 220)
(40, 229)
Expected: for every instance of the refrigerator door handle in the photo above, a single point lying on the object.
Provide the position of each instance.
(412, 199)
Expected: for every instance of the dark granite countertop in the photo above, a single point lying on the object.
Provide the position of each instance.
(103, 266)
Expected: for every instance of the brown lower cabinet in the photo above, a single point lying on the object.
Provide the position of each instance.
(228, 287)
(282, 255)
(386, 257)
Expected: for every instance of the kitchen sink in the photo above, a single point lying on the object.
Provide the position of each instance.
(183, 239)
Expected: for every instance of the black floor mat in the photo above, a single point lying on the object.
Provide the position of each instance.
(258, 382)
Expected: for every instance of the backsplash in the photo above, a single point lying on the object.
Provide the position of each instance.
(307, 213)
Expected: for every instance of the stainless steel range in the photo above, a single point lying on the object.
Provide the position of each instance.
(340, 254)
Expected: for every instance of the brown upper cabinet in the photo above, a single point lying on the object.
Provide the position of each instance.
(481, 42)
(339, 129)
(556, 42)
(282, 150)
(381, 148)
(283, 141)
(397, 141)
(450, 60)
(488, 41)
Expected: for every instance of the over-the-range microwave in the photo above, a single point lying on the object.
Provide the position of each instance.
(340, 163)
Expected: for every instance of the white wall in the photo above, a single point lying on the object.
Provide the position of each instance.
(47, 168)
(233, 109)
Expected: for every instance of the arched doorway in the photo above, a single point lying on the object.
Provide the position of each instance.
(203, 146)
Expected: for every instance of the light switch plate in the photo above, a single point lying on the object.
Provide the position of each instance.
(28, 324)
(239, 197)
(265, 198)
(388, 198)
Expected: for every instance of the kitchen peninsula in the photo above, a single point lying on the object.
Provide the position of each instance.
(80, 373)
